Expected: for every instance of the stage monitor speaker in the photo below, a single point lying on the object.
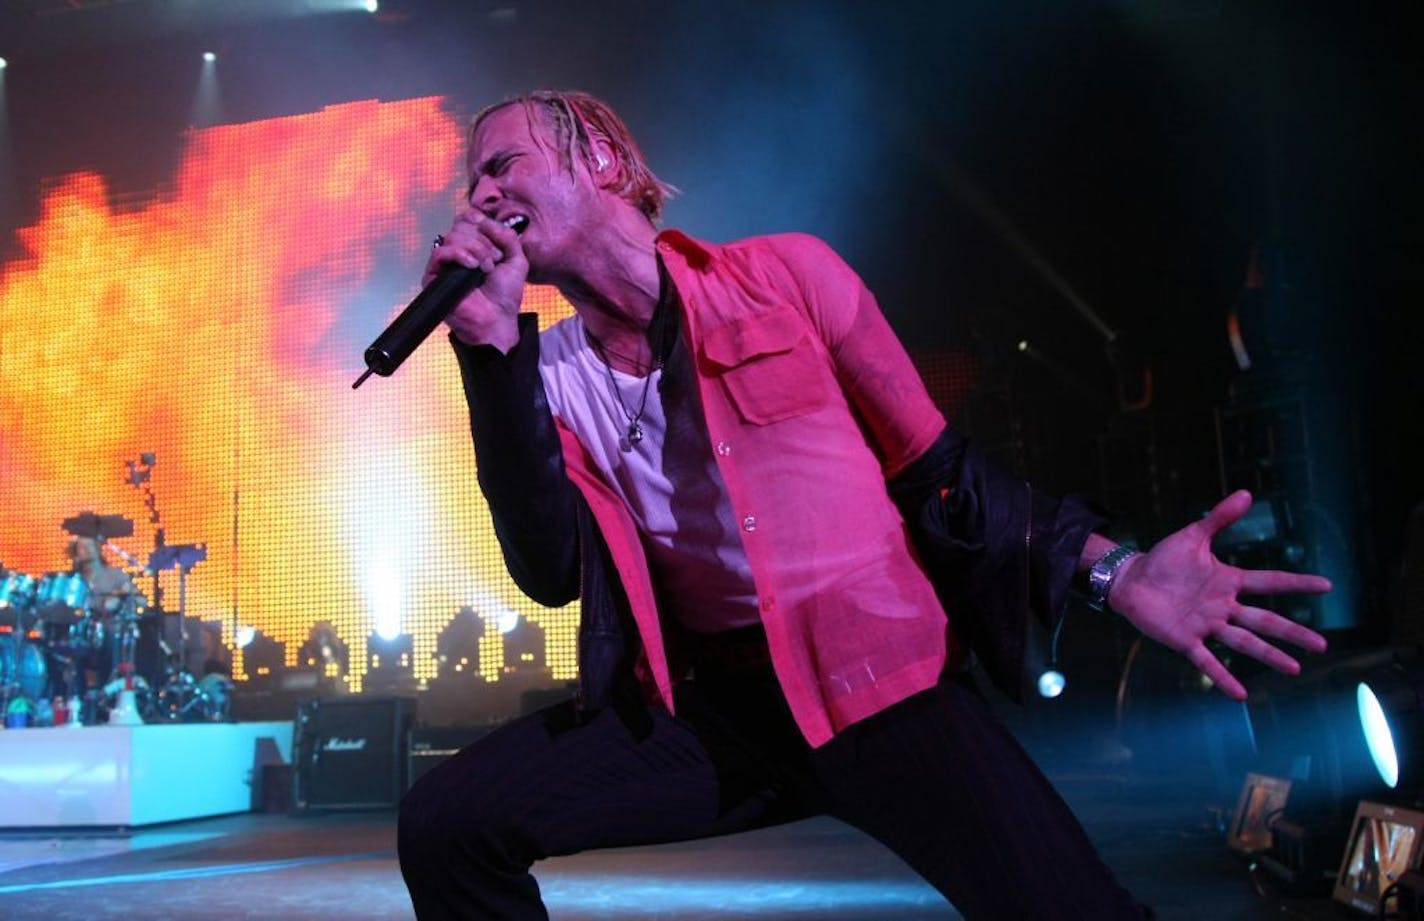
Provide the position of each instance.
(350, 754)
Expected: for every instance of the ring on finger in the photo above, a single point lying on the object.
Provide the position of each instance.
(438, 242)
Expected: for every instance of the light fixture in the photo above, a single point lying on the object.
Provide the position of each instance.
(1391, 710)
(1051, 683)
(209, 57)
(372, 6)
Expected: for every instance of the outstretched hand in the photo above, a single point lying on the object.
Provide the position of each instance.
(1181, 595)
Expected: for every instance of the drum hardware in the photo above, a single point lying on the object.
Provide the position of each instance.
(125, 710)
(140, 477)
(23, 671)
(180, 697)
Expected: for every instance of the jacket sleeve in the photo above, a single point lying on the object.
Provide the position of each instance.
(521, 465)
(995, 548)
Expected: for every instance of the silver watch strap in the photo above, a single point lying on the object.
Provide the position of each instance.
(1104, 572)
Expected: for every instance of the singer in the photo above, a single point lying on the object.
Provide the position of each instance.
(728, 459)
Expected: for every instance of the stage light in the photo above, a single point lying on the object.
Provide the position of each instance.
(4, 63)
(263, 659)
(1390, 702)
(1051, 683)
(1262, 801)
(491, 608)
(372, 6)
(1378, 736)
(245, 635)
(1384, 843)
(209, 57)
(386, 601)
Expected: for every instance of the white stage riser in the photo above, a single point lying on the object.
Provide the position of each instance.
(113, 776)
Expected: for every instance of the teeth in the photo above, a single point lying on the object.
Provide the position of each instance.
(516, 222)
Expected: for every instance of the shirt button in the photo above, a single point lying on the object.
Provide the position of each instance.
(723, 449)
(749, 523)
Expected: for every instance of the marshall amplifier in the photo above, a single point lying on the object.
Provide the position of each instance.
(430, 745)
(350, 754)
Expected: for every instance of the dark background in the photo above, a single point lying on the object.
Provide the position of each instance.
(992, 169)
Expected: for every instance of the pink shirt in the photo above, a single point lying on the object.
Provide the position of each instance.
(811, 404)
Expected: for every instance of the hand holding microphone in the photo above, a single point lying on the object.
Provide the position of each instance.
(478, 250)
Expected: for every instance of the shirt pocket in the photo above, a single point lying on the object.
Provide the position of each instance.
(768, 365)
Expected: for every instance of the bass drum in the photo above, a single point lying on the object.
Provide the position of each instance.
(78, 639)
(22, 665)
(216, 691)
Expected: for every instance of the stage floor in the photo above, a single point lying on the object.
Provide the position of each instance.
(343, 866)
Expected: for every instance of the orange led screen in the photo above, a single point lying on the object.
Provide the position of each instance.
(217, 323)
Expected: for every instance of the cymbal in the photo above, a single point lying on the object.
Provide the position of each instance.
(181, 556)
(99, 527)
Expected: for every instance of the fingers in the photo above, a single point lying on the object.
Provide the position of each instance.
(1241, 639)
(1269, 623)
(1276, 582)
(1211, 666)
(1249, 644)
(1227, 512)
(475, 241)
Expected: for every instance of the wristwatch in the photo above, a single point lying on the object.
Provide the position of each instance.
(1103, 573)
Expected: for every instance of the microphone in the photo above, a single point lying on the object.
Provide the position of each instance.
(426, 312)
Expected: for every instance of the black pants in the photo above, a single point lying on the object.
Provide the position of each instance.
(936, 778)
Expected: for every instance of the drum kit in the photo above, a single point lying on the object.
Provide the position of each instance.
(55, 635)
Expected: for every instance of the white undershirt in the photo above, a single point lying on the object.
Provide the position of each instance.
(669, 480)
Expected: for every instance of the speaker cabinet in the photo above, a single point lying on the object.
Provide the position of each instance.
(430, 745)
(350, 754)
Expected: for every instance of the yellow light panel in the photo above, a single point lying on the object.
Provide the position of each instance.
(210, 324)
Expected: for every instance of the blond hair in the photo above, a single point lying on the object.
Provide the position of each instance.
(578, 119)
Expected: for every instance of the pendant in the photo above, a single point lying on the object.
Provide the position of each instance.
(635, 433)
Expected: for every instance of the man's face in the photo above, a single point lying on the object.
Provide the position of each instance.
(85, 551)
(515, 168)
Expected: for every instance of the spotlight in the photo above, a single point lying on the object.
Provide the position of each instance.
(1390, 701)
(245, 636)
(1378, 736)
(1051, 683)
(263, 659)
(4, 63)
(372, 6)
(209, 57)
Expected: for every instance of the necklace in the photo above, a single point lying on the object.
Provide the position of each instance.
(655, 333)
(634, 433)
